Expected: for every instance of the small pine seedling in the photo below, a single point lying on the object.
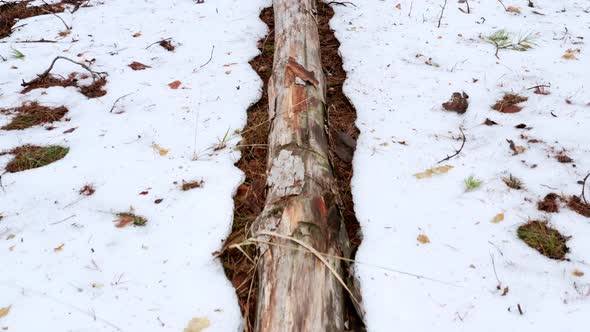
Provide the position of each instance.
(504, 40)
(16, 54)
(471, 183)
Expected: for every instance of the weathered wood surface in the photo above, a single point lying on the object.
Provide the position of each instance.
(297, 292)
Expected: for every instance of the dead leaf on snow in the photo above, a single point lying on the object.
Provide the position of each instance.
(433, 171)
(174, 85)
(515, 148)
(513, 9)
(59, 248)
(498, 218)
(422, 238)
(578, 273)
(137, 34)
(138, 66)
(161, 150)
(197, 324)
(4, 311)
(570, 54)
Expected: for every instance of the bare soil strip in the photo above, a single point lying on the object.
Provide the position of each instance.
(249, 200)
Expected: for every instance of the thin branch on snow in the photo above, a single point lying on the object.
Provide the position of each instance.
(468, 8)
(442, 11)
(116, 101)
(54, 14)
(341, 3)
(45, 73)
(210, 57)
(500, 1)
(456, 151)
(584, 187)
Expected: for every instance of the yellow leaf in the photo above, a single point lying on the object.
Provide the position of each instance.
(59, 248)
(422, 238)
(4, 311)
(197, 324)
(498, 218)
(160, 149)
(432, 171)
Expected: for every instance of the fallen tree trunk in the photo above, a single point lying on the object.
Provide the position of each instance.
(299, 290)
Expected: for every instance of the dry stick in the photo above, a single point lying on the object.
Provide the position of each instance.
(441, 13)
(54, 14)
(584, 187)
(468, 9)
(28, 41)
(348, 260)
(343, 3)
(45, 73)
(116, 101)
(159, 41)
(500, 1)
(456, 151)
(210, 57)
(495, 273)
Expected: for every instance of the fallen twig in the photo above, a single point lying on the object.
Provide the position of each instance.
(341, 3)
(45, 73)
(54, 14)
(159, 41)
(116, 101)
(28, 41)
(468, 9)
(456, 151)
(500, 1)
(210, 57)
(584, 187)
(441, 13)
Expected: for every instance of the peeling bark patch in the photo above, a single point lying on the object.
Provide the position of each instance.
(287, 173)
(300, 72)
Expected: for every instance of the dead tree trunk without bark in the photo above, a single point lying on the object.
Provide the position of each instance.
(297, 290)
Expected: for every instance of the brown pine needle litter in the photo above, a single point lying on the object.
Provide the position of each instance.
(32, 114)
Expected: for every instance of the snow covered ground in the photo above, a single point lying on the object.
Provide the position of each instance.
(401, 68)
(65, 266)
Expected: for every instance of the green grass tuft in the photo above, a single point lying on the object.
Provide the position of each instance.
(471, 183)
(30, 156)
(16, 54)
(546, 240)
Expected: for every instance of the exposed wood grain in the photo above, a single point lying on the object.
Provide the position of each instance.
(297, 292)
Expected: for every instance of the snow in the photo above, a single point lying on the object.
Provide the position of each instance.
(401, 68)
(398, 98)
(104, 278)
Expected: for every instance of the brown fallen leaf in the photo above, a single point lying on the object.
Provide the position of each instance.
(161, 151)
(458, 103)
(498, 218)
(577, 273)
(398, 6)
(489, 122)
(137, 34)
(433, 171)
(143, 193)
(513, 9)
(123, 221)
(570, 54)
(71, 130)
(515, 148)
(422, 238)
(197, 324)
(59, 248)
(174, 85)
(138, 66)
(505, 291)
(4, 311)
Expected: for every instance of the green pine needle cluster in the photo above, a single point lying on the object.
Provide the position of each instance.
(504, 40)
(471, 183)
